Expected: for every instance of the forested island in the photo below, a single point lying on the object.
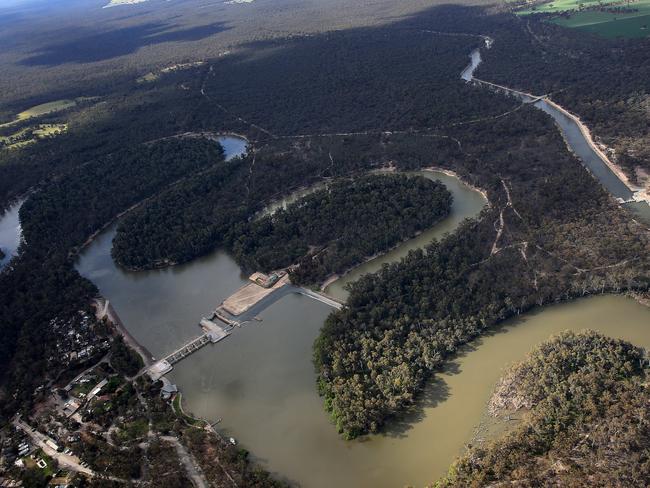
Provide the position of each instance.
(581, 403)
(324, 233)
(336, 228)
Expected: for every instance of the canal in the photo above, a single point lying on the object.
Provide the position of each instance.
(575, 139)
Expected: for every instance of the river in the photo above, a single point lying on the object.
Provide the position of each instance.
(260, 381)
(467, 204)
(10, 233)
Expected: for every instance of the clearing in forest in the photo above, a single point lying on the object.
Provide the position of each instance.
(42, 109)
(607, 18)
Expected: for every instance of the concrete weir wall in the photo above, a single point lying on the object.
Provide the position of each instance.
(242, 306)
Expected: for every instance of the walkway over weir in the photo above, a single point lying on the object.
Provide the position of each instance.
(213, 334)
(320, 297)
(222, 322)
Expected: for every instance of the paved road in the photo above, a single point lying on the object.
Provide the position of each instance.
(66, 461)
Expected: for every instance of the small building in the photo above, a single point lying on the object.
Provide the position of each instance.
(52, 445)
(70, 407)
(266, 281)
(97, 389)
(168, 390)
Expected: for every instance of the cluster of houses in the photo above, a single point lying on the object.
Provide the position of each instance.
(76, 339)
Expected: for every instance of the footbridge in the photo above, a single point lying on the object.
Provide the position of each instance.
(213, 333)
(244, 306)
(320, 297)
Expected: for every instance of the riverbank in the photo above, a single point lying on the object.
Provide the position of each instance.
(230, 152)
(468, 202)
(453, 174)
(103, 310)
(330, 280)
(639, 194)
(642, 297)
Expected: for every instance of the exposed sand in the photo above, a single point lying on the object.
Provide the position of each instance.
(248, 295)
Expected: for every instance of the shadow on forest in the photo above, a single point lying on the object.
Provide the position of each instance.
(118, 42)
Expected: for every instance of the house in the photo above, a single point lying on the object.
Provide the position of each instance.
(168, 390)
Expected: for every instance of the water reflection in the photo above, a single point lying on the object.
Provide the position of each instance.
(10, 232)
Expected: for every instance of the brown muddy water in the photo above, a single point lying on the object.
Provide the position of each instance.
(261, 382)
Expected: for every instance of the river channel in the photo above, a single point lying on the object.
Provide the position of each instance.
(467, 204)
(261, 383)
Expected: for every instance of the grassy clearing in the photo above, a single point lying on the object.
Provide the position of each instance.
(178, 410)
(18, 145)
(30, 135)
(563, 6)
(151, 76)
(49, 130)
(148, 78)
(585, 15)
(42, 109)
(82, 389)
(634, 24)
(46, 108)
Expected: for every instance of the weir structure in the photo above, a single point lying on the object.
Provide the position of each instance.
(241, 307)
(213, 333)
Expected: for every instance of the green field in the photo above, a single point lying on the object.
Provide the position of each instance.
(561, 6)
(583, 16)
(46, 108)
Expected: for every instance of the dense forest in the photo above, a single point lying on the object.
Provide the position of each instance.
(542, 241)
(70, 209)
(336, 228)
(550, 233)
(40, 284)
(99, 130)
(198, 214)
(583, 403)
(354, 81)
(325, 233)
(564, 63)
(78, 46)
(195, 216)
